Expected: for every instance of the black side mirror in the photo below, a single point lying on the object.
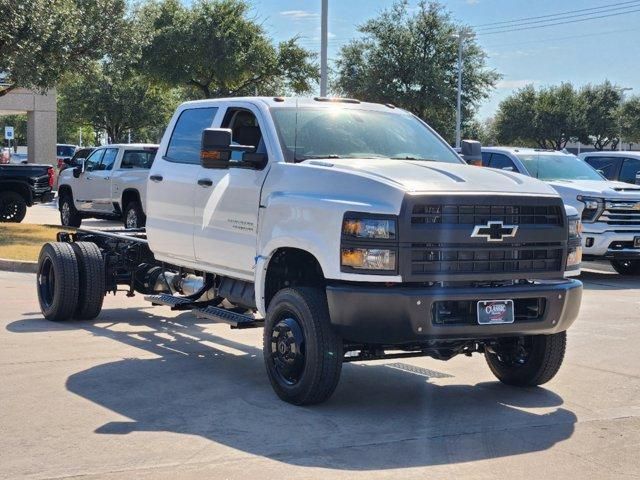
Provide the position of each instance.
(471, 152)
(217, 145)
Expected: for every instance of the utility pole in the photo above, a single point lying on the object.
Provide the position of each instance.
(323, 47)
(461, 35)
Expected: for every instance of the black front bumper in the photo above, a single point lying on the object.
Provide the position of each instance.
(396, 315)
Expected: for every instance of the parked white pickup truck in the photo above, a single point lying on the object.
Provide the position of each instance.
(610, 211)
(350, 231)
(110, 183)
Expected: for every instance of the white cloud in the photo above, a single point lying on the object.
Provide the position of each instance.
(299, 14)
(473, 2)
(511, 84)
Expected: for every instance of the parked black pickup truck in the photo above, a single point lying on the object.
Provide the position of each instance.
(21, 186)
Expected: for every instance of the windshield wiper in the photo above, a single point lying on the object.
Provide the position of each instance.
(409, 157)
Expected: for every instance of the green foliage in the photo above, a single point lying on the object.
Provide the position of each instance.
(630, 113)
(214, 48)
(409, 58)
(600, 104)
(19, 124)
(547, 118)
(40, 40)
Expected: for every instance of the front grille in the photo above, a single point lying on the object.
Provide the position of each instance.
(621, 213)
(478, 214)
(465, 312)
(460, 259)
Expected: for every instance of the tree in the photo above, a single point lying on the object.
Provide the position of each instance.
(409, 58)
(42, 39)
(600, 105)
(116, 99)
(546, 118)
(214, 48)
(19, 124)
(630, 114)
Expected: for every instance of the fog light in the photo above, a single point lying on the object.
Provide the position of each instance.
(369, 258)
(589, 242)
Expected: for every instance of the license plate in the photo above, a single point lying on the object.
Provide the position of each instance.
(636, 242)
(493, 312)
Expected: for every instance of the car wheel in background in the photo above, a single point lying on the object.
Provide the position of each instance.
(13, 207)
(133, 215)
(69, 216)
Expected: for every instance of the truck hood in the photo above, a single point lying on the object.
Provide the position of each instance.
(422, 176)
(597, 188)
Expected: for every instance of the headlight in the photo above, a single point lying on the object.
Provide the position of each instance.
(369, 259)
(575, 227)
(592, 208)
(376, 228)
(574, 258)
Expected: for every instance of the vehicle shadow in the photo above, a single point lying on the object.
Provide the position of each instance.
(602, 280)
(379, 418)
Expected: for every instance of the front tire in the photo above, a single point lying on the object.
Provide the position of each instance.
(302, 353)
(69, 216)
(58, 281)
(13, 207)
(626, 267)
(527, 361)
(134, 216)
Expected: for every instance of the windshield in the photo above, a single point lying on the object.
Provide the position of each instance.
(65, 150)
(352, 133)
(558, 167)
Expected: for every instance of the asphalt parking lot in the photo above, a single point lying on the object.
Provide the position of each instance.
(143, 392)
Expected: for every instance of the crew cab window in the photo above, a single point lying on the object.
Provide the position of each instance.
(609, 166)
(138, 159)
(93, 161)
(630, 170)
(502, 162)
(108, 159)
(186, 139)
(486, 158)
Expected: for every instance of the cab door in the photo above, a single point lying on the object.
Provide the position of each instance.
(82, 187)
(101, 182)
(227, 200)
(172, 184)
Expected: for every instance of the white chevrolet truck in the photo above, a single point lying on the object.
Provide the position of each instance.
(610, 211)
(349, 231)
(110, 183)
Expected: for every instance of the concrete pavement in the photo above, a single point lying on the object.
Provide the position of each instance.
(146, 393)
(47, 214)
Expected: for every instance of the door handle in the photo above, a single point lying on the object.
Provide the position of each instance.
(205, 182)
(155, 178)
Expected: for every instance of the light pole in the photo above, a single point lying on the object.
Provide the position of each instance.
(461, 35)
(621, 90)
(323, 47)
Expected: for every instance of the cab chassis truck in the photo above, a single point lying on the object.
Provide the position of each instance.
(348, 231)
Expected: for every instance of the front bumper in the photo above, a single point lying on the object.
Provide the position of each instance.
(601, 245)
(398, 315)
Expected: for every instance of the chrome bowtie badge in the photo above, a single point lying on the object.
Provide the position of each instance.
(494, 231)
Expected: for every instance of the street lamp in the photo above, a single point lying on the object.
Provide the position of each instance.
(461, 35)
(621, 90)
(323, 47)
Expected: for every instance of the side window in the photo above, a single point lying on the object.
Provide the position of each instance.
(630, 171)
(502, 162)
(486, 156)
(608, 166)
(186, 139)
(109, 159)
(245, 131)
(93, 161)
(138, 159)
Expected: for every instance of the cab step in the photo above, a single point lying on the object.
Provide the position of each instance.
(236, 320)
(167, 300)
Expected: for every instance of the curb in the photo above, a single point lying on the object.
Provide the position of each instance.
(18, 266)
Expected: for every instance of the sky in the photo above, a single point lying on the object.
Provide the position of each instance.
(579, 52)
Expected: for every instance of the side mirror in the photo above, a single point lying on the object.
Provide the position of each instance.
(471, 152)
(217, 145)
(79, 168)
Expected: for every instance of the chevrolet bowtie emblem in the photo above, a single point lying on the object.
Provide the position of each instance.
(494, 231)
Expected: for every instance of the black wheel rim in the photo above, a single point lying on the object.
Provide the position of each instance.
(46, 282)
(65, 213)
(8, 209)
(515, 354)
(132, 219)
(288, 350)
